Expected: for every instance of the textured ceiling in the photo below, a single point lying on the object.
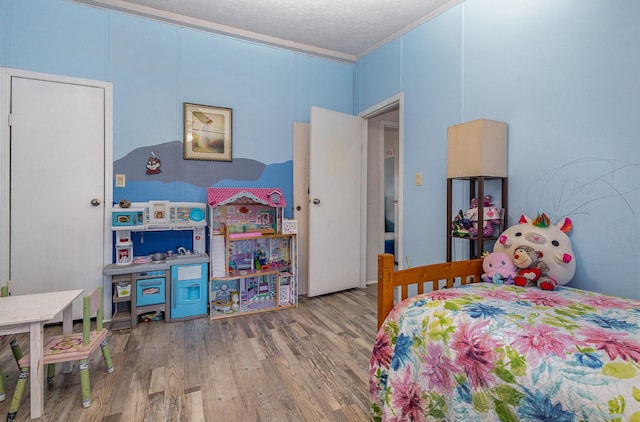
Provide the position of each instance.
(339, 29)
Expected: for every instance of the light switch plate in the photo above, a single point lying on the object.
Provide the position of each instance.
(121, 180)
(418, 179)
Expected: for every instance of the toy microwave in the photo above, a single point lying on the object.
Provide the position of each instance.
(127, 217)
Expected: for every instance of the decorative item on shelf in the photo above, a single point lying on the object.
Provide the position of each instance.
(491, 217)
(460, 225)
(477, 148)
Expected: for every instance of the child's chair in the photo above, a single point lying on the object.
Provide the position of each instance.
(68, 348)
(11, 340)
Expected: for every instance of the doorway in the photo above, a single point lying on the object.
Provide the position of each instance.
(389, 131)
(384, 194)
(372, 196)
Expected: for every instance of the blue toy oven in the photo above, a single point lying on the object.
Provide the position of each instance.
(150, 291)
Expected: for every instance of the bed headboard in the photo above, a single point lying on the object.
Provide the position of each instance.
(388, 279)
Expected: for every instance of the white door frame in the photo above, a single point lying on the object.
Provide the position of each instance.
(5, 161)
(395, 100)
(300, 208)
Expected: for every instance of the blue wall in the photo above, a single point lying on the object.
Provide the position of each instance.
(565, 76)
(155, 67)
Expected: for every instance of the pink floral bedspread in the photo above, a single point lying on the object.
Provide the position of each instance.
(487, 352)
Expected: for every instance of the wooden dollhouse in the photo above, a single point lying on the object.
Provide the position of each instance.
(253, 263)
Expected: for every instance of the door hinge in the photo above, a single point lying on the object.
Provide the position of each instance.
(10, 119)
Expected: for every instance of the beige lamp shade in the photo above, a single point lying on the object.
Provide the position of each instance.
(477, 148)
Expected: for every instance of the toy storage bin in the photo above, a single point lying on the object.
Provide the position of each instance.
(123, 289)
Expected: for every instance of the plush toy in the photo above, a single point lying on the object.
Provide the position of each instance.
(460, 225)
(549, 241)
(491, 217)
(531, 270)
(498, 268)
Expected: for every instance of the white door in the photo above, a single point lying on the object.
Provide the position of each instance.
(57, 186)
(335, 187)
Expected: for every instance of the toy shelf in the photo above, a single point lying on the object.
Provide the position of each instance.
(477, 189)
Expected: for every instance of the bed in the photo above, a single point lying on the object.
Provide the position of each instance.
(464, 350)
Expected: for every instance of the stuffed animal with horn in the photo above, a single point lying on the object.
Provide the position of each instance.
(551, 243)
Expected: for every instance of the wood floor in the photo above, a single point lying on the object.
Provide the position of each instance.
(304, 364)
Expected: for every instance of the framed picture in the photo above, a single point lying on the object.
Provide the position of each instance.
(207, 132)
(159, 212)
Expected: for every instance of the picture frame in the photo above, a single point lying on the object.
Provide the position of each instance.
(207, 132)
(159, 212)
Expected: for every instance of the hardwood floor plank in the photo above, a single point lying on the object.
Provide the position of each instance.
(157, 383)
(154, 408)
(194, 412)
(136, 400)
(304, 400)
(305, 364)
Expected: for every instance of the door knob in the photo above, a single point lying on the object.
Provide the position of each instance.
(316, 201)
(95, 202)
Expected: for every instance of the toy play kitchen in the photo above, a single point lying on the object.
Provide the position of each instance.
(169, 285)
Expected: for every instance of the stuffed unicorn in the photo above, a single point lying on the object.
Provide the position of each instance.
(550, 242)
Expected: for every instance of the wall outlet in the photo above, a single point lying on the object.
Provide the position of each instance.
(418, 179)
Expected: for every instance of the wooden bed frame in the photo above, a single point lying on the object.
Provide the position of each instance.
(388, 279)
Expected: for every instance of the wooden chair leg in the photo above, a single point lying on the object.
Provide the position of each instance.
(17, 394)
(17, 351)
(106, 354)
(17, 355)
(85, 383)
(2, 394)
(51, 373)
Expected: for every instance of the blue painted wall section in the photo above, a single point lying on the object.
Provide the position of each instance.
(564, 76)
(156, 67)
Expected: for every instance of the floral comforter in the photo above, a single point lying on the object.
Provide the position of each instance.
(487, 352)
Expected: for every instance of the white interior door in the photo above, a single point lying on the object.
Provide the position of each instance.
(335, 192)
(57, 186)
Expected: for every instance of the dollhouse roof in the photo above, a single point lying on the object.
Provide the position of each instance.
(224, 196)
